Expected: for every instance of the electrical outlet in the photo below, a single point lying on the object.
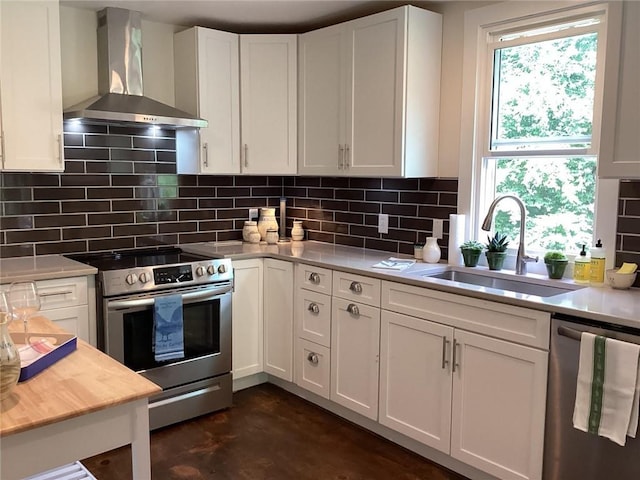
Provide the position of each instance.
(437, 228)
(253, 213)
(383, 223)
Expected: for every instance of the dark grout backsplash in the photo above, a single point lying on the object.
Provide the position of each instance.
(120, 190)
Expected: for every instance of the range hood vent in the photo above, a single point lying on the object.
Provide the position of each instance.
(121, 98)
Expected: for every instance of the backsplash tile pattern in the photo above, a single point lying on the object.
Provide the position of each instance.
(120, 190)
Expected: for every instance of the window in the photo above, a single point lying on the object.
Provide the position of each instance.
(534, 131)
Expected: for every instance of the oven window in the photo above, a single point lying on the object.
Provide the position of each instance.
(201, 334)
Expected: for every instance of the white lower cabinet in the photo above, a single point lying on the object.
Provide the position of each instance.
(278, 318)
(479, 399)
(355, 342)
(247, 318)
(415, 378)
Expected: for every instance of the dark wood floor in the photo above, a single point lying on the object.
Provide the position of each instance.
(270, 434)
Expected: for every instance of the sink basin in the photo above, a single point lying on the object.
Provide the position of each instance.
(501, 283)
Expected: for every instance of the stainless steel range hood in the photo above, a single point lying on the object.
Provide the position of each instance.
(120, 87)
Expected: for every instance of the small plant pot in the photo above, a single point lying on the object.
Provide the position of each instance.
(556, 268)
(470, 257)
(496, 260)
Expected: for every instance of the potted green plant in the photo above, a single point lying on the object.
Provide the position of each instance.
(471, 251)
(496, 251)
(556, 263)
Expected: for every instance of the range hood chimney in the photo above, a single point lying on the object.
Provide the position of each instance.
(120, 98)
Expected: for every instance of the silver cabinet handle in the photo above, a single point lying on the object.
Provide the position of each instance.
(52, 294)
(205, 151)
(355, 287)
(347, 157)
(61, 150)
(454, 362)
(313, 308)
(314, 278)
(340, 156)
(353, 309)
(313, 358)
(246, 155)
(2, 147)
(445, 342)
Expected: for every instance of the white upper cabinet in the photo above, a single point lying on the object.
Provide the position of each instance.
(369, 96)
(207, 84)
(245, 86)
(268, 88)
(620, 131)
(31, 86)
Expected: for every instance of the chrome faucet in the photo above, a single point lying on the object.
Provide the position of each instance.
(522, 259)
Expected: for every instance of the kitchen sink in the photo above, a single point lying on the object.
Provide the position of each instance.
(500, 283)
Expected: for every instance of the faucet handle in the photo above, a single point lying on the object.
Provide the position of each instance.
(527, 259)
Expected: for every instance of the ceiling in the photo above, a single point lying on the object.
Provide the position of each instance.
(250, 16)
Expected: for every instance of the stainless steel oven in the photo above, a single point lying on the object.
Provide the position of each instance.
(130, 284)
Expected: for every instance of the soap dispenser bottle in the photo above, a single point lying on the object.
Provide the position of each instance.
(597, 264)
(582, 267)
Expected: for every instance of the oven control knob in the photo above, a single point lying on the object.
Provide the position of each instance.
(200, 270)
(222, 269)
(211, 270)
(131, 278)
(144, 277)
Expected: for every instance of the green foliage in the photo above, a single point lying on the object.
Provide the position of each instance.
(554, 255)
(472, 245)
(498, 243)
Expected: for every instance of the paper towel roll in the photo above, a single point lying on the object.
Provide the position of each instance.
(456, 238)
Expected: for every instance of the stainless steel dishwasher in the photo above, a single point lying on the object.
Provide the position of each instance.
(569, 453)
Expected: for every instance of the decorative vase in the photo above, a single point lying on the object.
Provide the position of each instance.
(272, 236)
(297, 232)
(496, 260)
(556, 268)
(249, 227)
(267, 221)
(470, 257)
(431, 251)
(9, 358)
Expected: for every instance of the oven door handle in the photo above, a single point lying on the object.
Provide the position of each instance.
(142, 302)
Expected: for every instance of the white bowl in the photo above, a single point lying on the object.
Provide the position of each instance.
(620, 281)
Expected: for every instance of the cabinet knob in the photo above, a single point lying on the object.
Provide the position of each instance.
(314, 278)
(313, 358)
(353, 309)
(313, 308)
(355, 287)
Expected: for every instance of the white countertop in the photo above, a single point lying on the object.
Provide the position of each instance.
(603, 304)
(42, 267)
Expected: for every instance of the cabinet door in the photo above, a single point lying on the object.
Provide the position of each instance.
(375, 96)
(355, 346)
(207, 83)
(620, 138)
(278, 318)
(31, 86)
(247, 319)
(499, 394)
(415, 378)
(73, 319)
(313, 316)
(268, 88)
(312, 370)
(322, 81)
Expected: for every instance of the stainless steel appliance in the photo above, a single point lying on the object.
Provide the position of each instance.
(128, 284)
(571, 454)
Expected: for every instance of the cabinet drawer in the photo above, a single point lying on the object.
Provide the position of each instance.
(313, 316)
(62, 292)
(313, 278)
(357, 288)
(312, 367)
(508, 322)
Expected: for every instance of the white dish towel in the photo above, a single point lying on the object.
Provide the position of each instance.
(608, 389)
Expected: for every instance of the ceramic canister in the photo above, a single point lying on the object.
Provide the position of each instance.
(297, 232)
(267, 221)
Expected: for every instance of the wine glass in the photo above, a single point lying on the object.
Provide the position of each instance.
(25, 301)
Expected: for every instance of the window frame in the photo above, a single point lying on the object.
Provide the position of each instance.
(480, 27)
